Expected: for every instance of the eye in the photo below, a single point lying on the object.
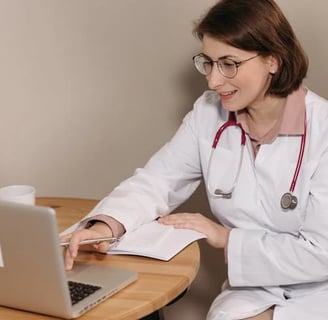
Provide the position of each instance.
(227, 63)
(207, 63)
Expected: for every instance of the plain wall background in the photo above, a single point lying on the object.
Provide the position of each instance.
(90, 89)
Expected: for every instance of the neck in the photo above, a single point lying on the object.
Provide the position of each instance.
(262, 118)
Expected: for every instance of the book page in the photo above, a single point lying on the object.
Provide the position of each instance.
(155, 240)
(148, 237)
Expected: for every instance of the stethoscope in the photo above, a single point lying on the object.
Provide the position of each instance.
(288, 199)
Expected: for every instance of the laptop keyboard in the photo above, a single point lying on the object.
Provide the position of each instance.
(79, 290)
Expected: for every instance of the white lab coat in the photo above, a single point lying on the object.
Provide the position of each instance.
(275, 256)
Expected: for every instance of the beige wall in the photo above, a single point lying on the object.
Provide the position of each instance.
(91, 88)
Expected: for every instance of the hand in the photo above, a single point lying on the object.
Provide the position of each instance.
(217, 235)
(98, 230)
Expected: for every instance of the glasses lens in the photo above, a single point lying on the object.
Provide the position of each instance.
(227, 67)
(203, 65)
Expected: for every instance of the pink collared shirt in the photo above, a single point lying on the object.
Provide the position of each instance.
(291, 121)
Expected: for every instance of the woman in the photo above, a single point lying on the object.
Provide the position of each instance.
(266, 170)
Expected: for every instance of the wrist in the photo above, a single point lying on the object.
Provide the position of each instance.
(101, 227)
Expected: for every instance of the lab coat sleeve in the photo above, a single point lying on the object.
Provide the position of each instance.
(264, 258)
(166, 181)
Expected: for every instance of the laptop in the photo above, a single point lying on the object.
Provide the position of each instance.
(32, 274)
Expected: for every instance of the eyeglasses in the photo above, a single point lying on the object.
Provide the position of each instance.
(227, 67)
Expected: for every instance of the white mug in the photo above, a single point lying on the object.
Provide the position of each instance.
(18, 193)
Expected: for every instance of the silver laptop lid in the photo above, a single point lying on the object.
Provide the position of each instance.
(32, 274)
(32, 270)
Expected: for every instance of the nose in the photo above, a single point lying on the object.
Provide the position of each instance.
(215, 78)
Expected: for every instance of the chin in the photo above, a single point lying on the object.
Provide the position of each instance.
(231, 107)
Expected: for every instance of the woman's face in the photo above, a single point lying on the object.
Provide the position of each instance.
(248, 87)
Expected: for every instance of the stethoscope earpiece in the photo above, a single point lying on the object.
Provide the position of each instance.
(222, 194)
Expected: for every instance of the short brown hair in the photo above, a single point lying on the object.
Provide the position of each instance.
(260, 26)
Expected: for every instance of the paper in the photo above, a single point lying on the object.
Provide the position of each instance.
(155, 240)
(152, 240)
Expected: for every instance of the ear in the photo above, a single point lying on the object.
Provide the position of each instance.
(273, 64)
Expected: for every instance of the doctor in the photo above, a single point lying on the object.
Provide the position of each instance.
(258, 138)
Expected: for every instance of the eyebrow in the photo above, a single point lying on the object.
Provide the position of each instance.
(222, 57)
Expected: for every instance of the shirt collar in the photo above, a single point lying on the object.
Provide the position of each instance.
(293, 118)
(291, 121)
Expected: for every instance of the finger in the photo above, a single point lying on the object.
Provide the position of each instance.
(74, 242)
(187, 225)
(71, 250)
(181, 218)
(101, 247)
(80, 235)
(174, 217)
(73, 246)
(193, 221)
(69, 260)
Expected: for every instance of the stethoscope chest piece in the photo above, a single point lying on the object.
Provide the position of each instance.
(288, 201)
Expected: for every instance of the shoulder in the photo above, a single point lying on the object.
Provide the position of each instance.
(208, 106)
(312, 97)
(206, 116)
(317, 122)
(316, 109)
(316, 103)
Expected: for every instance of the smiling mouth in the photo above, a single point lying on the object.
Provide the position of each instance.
(227, 94)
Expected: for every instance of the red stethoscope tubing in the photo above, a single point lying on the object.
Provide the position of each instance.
(232, 122)
(299, 160)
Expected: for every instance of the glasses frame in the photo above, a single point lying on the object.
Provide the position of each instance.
(219, 67)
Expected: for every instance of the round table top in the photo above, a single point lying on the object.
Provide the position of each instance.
(159, 282)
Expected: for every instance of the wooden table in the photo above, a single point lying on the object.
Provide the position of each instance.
(158, 283)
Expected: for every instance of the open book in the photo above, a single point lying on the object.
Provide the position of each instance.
(155, 240)
(152, 240)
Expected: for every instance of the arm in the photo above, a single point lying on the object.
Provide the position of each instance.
(167, 180)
